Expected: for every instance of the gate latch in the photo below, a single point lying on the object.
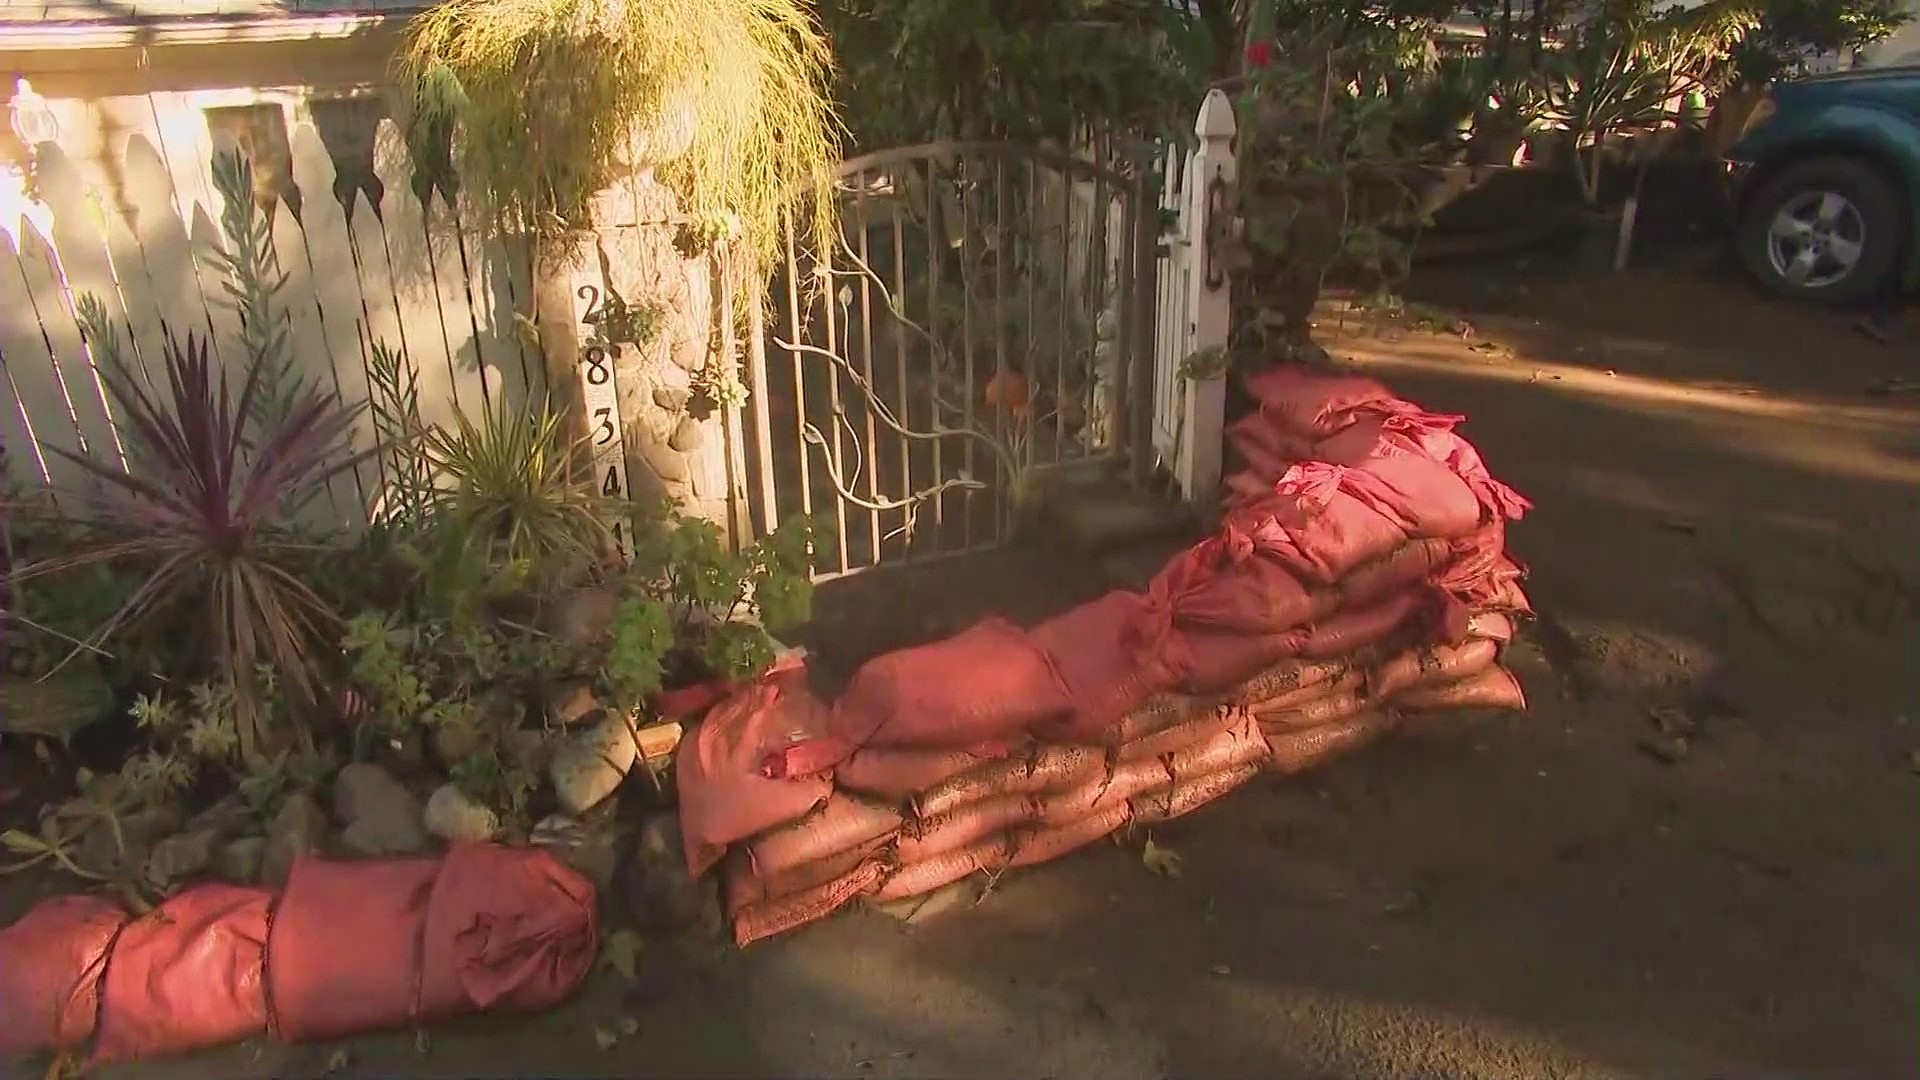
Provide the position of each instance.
(1226, 233)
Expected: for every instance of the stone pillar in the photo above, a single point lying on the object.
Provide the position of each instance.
(674, 448)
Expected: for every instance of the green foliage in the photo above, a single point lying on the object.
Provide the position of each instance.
(251, 280)
(551, 96)
(704, 586)
(638, 640)
(917, 70)
(1790, 29)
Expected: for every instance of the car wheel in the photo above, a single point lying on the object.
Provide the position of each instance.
(1827, 230)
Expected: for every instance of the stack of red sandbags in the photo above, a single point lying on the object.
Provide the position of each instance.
(347, 947)
(1359, 577)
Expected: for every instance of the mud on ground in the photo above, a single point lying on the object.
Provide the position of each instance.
(1694, 856)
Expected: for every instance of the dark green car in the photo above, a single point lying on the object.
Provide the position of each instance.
(1828, 200)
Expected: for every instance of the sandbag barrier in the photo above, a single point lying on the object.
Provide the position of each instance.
(1359, 580)
(347, 947)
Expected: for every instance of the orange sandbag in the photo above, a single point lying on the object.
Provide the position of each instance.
(1202, 726)
(187, 975)
(721, 769)
(1412, 563)
(344, 956)
(1110, 655)
(1240, 744)
(1158, 713)
(770, 917)
(1351, 631)
(1337, 705)
(1171, 802)
(1299, 749)
(894, 774)
(1227, 582)
(983, 685)
(1428, 665)
(963, 827)
(1048, 768)
(915, 879)
(1287, 677)
(508, 929)
(1032, 846)
(1491, 626)
(843, 822)
(1349, 682)
(1494, 688)
(51, 963)
(744, 887)
(1128, 778)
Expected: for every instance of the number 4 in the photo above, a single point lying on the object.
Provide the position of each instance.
(611, 488)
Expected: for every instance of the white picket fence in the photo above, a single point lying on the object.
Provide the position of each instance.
(1192, 308)
(134, 224)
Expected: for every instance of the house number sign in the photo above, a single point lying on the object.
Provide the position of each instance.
(602, 402)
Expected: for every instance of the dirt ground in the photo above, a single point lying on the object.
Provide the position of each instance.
(1725, 531)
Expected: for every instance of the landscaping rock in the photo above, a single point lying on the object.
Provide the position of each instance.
(687, 435)
(588, 765)
(299, 828)
(580, 618)
(570, 702)
(451, 815)
(381, 816)
(590, 847)
(663, 896)
(241, 859)
(99, 852)
(528, 749)
(459, 738)
(180, 856)
(223, 819)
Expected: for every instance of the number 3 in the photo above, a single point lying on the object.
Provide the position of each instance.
(603, 432)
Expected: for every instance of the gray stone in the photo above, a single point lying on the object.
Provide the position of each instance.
(381, 816)
(299, 828)
(662, 894)
(99, 851)
(527, 748)
(240, 860)
(225, 818)
(589, 765)
(451, 815)
(687, 435)
(179, 857)
(571, 701)
(671, 398)
(580, 618)
(459, 738)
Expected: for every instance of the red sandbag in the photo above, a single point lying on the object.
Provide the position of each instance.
(1321, 710)
(1227, 583)
(1351, 631)
(1420, 495)
(1287, 677)
(1245, 486)
(508, 929)
(1491, 626)
(1302, 401)
(916, 879)
(1202, 726)
(51, 963)
(1240, 744)
(1414, 563)
(721, 768)
(1170, 803)
(1297, 750)
(1049, 768)
(1220, 660)
(344, 956)
(1110, 655)
(186, 975)
(895, 774)
(1350, 682)
(843, 822)
(983, 685)
(1263, 451)
(1033, 846)
(964, 827)
(744, 887)
(1430, 665)
(1128, 778)
(763, 920)
(1431, 435)
(1494, 688)
(1315, 525)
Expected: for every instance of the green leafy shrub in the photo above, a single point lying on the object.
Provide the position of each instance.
(708, 589)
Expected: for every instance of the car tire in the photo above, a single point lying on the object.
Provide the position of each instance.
(1872, 229)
